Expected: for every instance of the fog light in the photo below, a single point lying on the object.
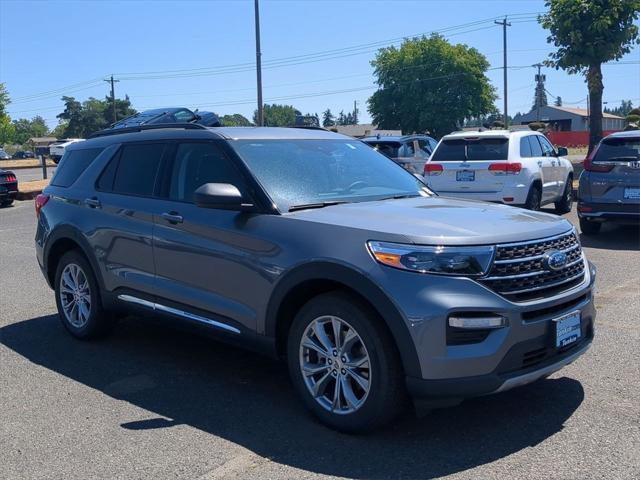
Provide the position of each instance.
(478, 322)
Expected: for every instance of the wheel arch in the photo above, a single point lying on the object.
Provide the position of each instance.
(61, 241)
(309, 280)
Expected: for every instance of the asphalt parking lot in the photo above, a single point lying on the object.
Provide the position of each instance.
(155, 402)
(30, 174)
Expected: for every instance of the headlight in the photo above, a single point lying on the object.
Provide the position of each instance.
(433, 259)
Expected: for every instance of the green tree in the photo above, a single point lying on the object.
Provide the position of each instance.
(587, 34)
(7, 130)
(25, 129)
(123, 109)
(59, 130)
(235, 120)
(277, 115)
(540, 96)
(328, 120)
(558, 102)
(430, 84)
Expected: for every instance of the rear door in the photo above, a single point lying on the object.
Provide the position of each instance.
(615, 174)
(124, 204)
(466, 164)
(552, 169)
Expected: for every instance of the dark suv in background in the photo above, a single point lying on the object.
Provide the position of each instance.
(609, 187)
(410, 151)
(313, 247)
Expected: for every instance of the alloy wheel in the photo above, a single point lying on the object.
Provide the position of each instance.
(75, 295)
(335, 365)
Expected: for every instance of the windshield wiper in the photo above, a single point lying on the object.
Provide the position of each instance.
(304, 206)
(398, 197)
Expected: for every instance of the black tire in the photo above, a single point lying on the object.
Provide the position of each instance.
(566, 202)
(386, 396)
(6, 203)
(589, 228)
(99, 321)
(533, 198)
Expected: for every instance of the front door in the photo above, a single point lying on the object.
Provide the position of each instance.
(204, 256)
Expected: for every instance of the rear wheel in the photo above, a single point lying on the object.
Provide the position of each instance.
(533, 198)
(78, 298)
(565, 203)
(6, 203)
(589, 228)
(344, 364)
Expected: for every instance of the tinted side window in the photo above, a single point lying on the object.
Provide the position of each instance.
(525, 147)
(137, 169)
(199, 163)
(183, 116)
(424, 149)
(536, 149)
(547, 148)
(72, 166)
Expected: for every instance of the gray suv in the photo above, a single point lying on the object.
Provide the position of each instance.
(312, 247)
(609, 187)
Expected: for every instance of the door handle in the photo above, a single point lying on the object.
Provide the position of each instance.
(172, 217)
(92, 202)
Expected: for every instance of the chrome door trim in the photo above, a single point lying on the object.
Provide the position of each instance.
(178, 312)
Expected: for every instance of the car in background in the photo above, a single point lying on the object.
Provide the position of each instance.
(8, 187)
(4, 155)
(513, 167)
(57, 149)
(169, 115)
(609, 187)
(22, 154)
(409, 151)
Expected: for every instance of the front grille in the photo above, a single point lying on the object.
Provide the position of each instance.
(518, 272)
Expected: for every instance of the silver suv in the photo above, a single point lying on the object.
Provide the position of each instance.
(311, 246)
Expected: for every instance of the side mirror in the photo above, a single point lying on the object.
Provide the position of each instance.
(562, 152)
(223, 196)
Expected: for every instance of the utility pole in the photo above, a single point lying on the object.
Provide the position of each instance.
(259, 66)
(355, 112)
(539, 83)
(113, 97)
(504, 24)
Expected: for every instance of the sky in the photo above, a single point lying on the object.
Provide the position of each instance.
(316, 53)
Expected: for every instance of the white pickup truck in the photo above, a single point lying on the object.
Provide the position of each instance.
(56, 149)
(513, 167)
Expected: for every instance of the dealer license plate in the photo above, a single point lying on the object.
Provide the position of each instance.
(568, 329)
(465, 176)
(632, 193)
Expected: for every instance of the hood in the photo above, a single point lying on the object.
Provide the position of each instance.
(439, 220)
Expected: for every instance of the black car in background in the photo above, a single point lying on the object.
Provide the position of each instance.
(8, 187)
(21, 154)
(169, 115)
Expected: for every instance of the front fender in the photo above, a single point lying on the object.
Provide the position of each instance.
(360, 283)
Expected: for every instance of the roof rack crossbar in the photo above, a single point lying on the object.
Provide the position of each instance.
(140, 128)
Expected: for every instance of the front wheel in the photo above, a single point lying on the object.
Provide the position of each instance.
(344, 364)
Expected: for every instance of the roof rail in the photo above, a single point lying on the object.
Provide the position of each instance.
(140, 128)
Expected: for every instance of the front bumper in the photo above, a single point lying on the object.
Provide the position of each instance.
(519, 353)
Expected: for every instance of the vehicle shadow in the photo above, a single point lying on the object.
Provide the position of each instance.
(247, 399)
(613, 237)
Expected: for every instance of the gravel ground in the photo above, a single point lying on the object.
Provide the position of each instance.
(155, 402)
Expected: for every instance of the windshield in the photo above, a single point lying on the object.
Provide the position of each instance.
(618, 149)
(388, 149)
(472, 149)
(304, 172)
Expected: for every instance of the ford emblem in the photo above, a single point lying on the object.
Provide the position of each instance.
(554, 260)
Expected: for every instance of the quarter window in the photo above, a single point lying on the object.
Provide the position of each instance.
(199, 163)
(547, 148)
(137, 169)
(72, 165)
